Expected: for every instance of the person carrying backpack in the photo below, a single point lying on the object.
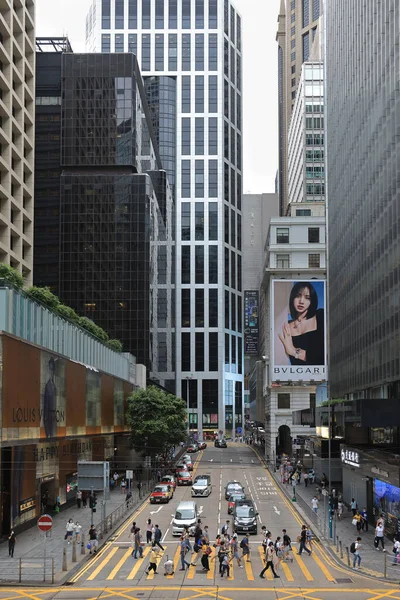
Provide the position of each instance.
(157, 537)
(355, 550)
(287, 546)
(225, 529)
(244, 544)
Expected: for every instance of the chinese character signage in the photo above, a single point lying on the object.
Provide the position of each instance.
(350, 457)
(251, 303)
(298, 330)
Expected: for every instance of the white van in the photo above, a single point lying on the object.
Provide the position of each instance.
(186, 516)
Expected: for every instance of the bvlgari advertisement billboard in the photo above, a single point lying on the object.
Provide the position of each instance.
(298, 330)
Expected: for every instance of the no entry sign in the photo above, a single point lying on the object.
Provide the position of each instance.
(45, 523)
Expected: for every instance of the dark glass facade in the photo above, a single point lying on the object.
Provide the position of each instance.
(363, 184)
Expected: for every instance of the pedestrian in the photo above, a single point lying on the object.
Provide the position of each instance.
(225, 529)
(157, 537)
(206, 534)
(123, 485)
(198, 535)
(78, 531)
(205, 553)
(278, 550)
(305, 479)
(128, 499)
(381, 520)
(84, 499)
(309, 537)
(364, 520)
(396, 551)
(93, 541)
(340, 509)
(70, 526)
(78, 498)
(356, 553)
(154, 554)
(303, 540)
(138, 541)
(235, 550)
(11, 543)
(264, 538)
(183, 546)
(222, 552)
(314, 504)
(158, 475)
(149, 531)
(269, 561)
(133, 529)
(324, 480)
(226, 561)
(353, 506)
(115, 477)
(379, 537)
(287, 545)
(245, 546)
(357, 518)
(186, 535)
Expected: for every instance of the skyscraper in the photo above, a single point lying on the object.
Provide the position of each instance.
(196, 44)
(297, 27)
(17, 131)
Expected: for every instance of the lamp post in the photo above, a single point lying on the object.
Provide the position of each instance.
(266, 388)
(188, 378)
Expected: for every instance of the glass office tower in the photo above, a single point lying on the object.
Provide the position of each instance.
(197, 44)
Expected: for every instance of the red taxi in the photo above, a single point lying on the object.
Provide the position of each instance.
(161, 493)
(184, 478)
(232, 499)
(169, 480)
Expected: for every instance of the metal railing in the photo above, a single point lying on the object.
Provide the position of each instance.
(28, 569)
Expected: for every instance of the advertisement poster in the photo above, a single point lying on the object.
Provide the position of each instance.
(251, 316)
(298, 330)
(52, 396)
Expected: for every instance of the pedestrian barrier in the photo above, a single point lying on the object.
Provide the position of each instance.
(28, 569)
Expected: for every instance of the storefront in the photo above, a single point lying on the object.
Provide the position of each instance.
(372, 479)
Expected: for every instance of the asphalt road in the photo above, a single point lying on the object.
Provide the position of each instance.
(113, 573)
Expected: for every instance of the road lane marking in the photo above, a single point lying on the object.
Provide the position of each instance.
(278, 512)
(103, 563)
(154, 512)
(177, 558)
(138, 564)
(213, 556)
(248, 569)
(119, 564)
(303, 567)
(288, 573)
(323, 568)
(165, 534)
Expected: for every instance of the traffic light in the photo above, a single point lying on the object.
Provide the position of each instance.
(93, 502)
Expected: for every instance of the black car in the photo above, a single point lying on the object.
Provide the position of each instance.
(220, 444)
(233, 487)
(245, 517)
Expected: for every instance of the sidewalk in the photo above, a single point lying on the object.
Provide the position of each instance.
(372, 560)
(28, 562)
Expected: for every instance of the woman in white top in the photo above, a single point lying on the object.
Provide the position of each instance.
(78, 530)
(396, 551)
(149, 531)
(70, 527)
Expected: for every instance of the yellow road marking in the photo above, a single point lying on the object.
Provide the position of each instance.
(119, 564)
(268, 572)
(303, 567)
(211, 562)
(287, 571)
(231, 571)
(248, 569)
(323, 568)
(158, 560)
(138, 564)
(177, 558)
(102, 564)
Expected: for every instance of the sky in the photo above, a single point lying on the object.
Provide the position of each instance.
(260, 68)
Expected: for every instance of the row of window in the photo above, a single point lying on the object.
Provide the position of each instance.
(199, 146)
(199, 180)
(160, 19)
(283, 261)
(314, 122)
(284, 401)
(231, 98)
(315, 172)
(232, 25)
(233, 312)
(199, 234)
(198, 319)
(233, 274)
(235, 344)
(187, 253)
(232, 65)
(233, 222)
(232, 186)
(282, 235)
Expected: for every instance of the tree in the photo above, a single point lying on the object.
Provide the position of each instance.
(68, 313)
(92, 328)
(45, 296)
(157, 421)
(115, 345)
(11, 275)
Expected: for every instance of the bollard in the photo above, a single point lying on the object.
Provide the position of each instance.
(83, 550)
(52, 570)
(341, 549)
(73, 550)
(64, 561)
(337, 543)
(348, 556)
(385, 565)
(20, 570)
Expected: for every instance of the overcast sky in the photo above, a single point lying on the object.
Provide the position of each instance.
(260, 135)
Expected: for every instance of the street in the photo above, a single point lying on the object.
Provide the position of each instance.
(114, 573)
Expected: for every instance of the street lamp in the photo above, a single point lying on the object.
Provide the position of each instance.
(188, 378)
(266, 388)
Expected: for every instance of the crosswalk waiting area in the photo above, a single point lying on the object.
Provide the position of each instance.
(117, 564)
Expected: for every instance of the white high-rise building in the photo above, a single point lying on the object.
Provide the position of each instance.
(190, 54)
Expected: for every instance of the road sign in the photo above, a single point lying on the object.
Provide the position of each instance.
(45, 523)
(129, 475)
(239, 430)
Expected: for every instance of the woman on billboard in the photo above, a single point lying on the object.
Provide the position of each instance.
(303, 337)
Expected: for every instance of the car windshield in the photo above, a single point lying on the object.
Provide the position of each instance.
(166, 479)
(161, 488)
(233, 486)
(235, 497)
(201, 482)
(245, 511)
(183, 474)
(184, 514)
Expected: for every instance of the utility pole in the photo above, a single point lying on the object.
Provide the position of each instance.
(188, 378)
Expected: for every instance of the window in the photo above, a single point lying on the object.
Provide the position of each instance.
(213, 136)
(227, 349)
(212, 221)
(186, 352)
(146, 55)
(199, 135)
(240, 352)
(227, 270)
(199, 347)
(185, 183)
(186, 94)
(306, 12)
(159, 14)
(199, 308)
(185, 136)
(185, 264)
(226, 58)
(239, 191)
(186, 52)
(293, 82)
(226, 224)
(210, 403)
(185, 221)
(233, 65)
(172, 52)
(132, 14)
(306, 46)
(213, 264)
(105, 43)
(132, 43)
(213, 52)
(199, 179)
(159, 50)
(293, 69)
(185, 308)
(106, 14)
(213, 308)
(173, 14)
(233, 270)
(213, 351)
(212, 178)
(313, 235)
(292, 4)
(282, 261)
(282, 235)
(199, 52)
(314, 261)
(212, 14)
(293, 56)
(239, 72)
(293, 44)
(233, 311)
(303, 212)
(199, 264)
(293, 30)
(213, 94)
(199, 14)
(186, 14)
(283, 401)
(239, 273)
(233, 228)
(146, 14)
(227, 308)
(240, 315)
(239, 33)
(232, 36)
(119, 42)
(226, 17)
(199, 221)
(119, 14)
(316, 9)
(292, 17)
(199, 94)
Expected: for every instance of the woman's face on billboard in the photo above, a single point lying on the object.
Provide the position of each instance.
(302, 300)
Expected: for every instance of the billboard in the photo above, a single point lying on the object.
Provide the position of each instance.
(298, 330)
(251, 304)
